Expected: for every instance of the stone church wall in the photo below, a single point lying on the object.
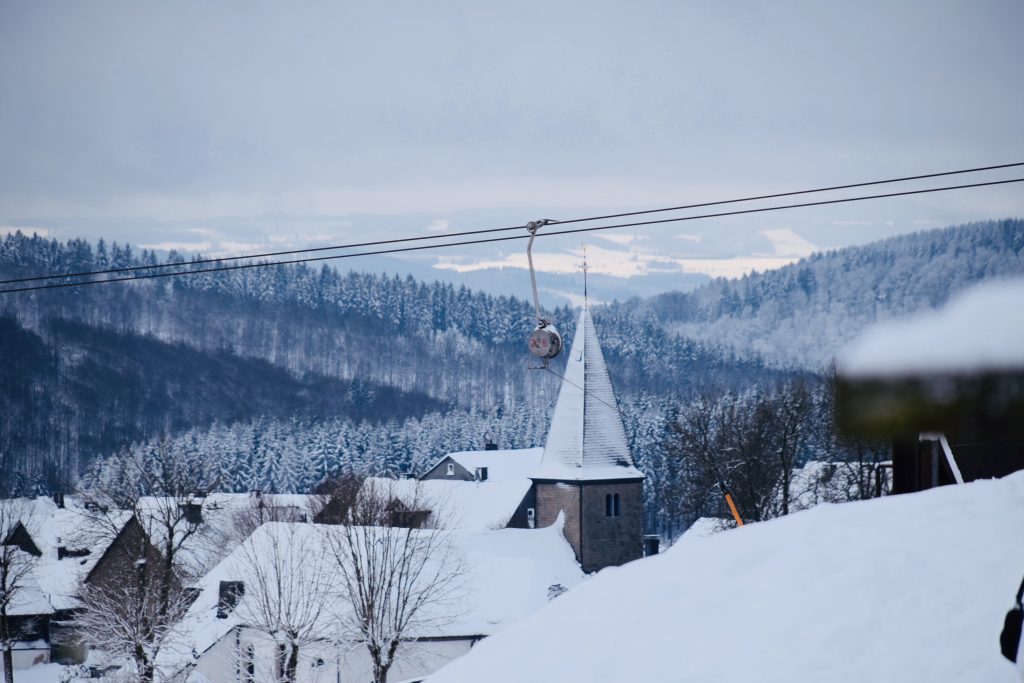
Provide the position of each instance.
(611, 540)
(553, 498)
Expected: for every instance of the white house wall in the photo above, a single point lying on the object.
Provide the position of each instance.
(223, 662)
(25, 655)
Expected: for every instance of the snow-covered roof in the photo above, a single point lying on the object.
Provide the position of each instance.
(217, 534)
(507, 576)
(978, 331)
(467, 505)
(72, 528)
(902, 588)
(586, 439)
(29, 598)
(502, 465)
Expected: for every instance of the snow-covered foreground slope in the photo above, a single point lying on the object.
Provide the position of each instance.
(908, 588)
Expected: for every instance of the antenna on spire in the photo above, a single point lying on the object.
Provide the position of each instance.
(585, 268)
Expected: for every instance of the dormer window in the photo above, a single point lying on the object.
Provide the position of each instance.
(451, 469)
(612, 505)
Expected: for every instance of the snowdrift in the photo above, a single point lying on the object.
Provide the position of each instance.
(907, 588)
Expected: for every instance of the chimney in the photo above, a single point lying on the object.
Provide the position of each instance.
(228, 596)
(489, 444)
(481, 474)
(652, 544)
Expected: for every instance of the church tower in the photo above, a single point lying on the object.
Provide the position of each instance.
(587, 471)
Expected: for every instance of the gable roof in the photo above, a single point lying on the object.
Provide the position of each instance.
(214, 533)
(459, 504)
(586, 440)
(508, 574)
(502, 465)
(29, 598)
(56, 576)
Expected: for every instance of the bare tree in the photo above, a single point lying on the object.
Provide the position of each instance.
(402, 577)
(752, 441)
(133, 616)
(786, 420)
(16, 566)
(137, 593)
(287, 578)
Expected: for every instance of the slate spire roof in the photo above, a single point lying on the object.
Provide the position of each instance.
(586, 439)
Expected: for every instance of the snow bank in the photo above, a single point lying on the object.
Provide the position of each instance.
(979, 330)
(907, 588)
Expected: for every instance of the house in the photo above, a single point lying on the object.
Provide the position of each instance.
(61, 544)
(508, 573)
(70, 544)
(207, 526)
(946, 387)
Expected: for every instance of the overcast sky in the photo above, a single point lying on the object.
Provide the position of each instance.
(231, 126)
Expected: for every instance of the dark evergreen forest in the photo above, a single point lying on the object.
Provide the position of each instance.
(277, 377)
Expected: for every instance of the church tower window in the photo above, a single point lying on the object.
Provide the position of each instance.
(612, 505)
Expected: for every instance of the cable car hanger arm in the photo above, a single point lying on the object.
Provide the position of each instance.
(545, 343)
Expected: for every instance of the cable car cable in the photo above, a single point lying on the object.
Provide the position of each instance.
(778, 195)
(502, 239)
(482, 231)
(585, 392)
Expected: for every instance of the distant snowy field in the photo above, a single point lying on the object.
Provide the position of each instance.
(907, 588)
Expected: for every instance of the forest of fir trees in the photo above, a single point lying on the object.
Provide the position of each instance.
(702, 377)
(757, 440)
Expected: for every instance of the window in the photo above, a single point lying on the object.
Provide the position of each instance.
(451, 469)
(282, 661)
(612, 505)
(250, 663)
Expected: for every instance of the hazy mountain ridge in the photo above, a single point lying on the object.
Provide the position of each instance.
(450, 343)
(801, 315)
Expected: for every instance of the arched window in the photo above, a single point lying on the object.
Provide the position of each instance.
(451, 469)
(612, 505)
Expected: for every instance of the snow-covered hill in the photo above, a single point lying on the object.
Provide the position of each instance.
(802, 314)
(907, 588)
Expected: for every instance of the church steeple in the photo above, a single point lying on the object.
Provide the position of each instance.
(587, 472)
(586, 439)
